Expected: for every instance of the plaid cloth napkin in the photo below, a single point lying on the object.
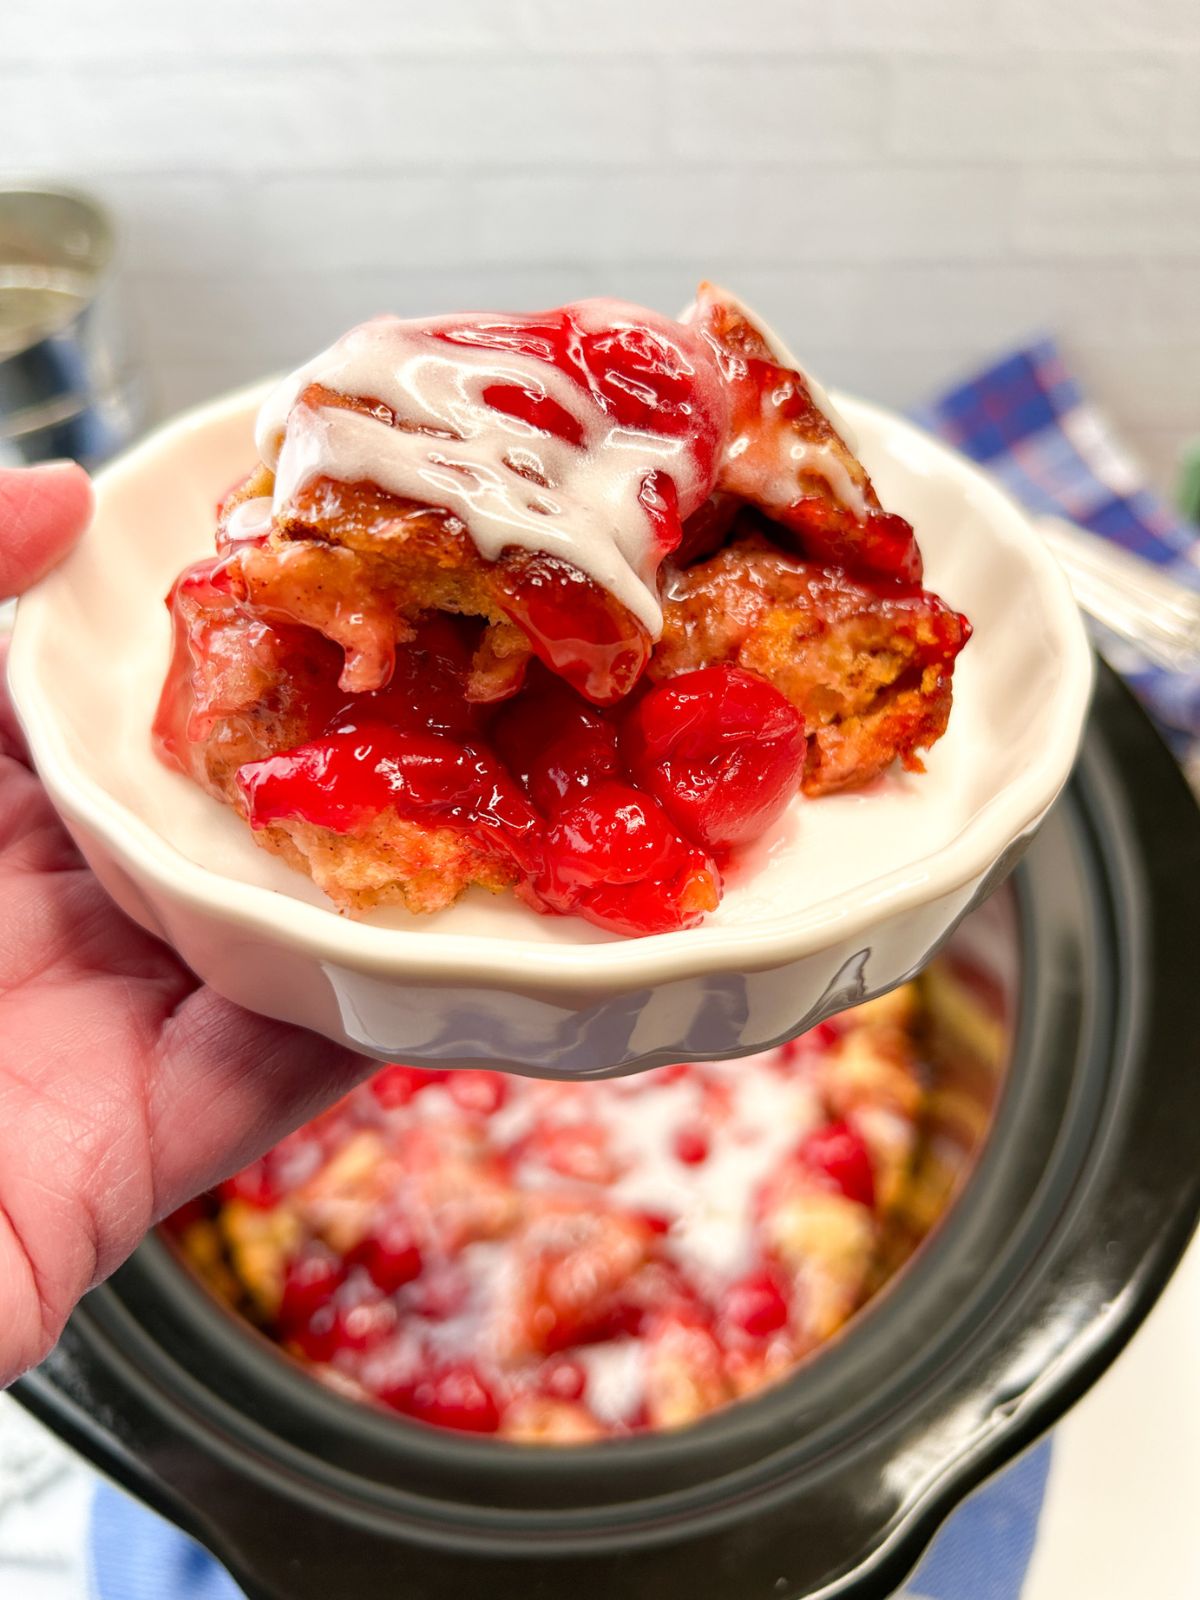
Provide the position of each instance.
(1027, 421)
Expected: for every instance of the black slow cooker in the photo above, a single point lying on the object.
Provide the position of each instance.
(1077, 1210)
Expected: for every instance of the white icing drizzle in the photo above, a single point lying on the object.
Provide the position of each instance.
(821, 460)
(249, 520)
(818, 459)
(510, 483)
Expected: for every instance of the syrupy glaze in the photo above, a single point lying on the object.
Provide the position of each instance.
(587, 433)
(560, 1262)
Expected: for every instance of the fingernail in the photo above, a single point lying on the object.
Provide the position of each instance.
(54, 465)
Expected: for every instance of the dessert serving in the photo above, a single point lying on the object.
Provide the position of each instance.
(562, 1262)
(572, 604)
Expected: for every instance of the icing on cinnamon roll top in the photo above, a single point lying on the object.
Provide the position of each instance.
(588, 433)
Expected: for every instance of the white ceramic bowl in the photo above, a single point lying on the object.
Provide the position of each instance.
(848, 896)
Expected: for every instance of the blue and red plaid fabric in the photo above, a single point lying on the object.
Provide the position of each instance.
(1027, 421)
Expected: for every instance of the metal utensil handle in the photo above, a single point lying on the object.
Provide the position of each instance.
(1156, 614)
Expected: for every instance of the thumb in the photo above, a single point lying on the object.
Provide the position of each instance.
(43, 511)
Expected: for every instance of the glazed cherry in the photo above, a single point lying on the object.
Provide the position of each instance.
(616, 860)
(354, 1319)
(579, 630)
(562, 1379)
(426, 691)
(721, 750)
(556, 744)
(650, 374)
(838, 1158)
(481, 1092)
(454, 1397)
(691, 1146)
(660, 501)
(756, 1305)
(310, 1281)
(582, 756)
(395, 1086)
(390, 1253)
(538, 410)
(345, 779)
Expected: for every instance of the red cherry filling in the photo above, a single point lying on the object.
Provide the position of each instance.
(616, 859)
(838, 1158)
(756, 1304)
(395, 1086)
(660, 501)
(345, 779)
(311, 1280)
(356, 1317)
(577, 628)
(558, 746)
(721, 750)
(539, 410)
(454, 1397)
(481, 1092)
(390, 1254)
(562, 1379)
(426, 691)
(714, 756)
(691, 1145)
(651, 374)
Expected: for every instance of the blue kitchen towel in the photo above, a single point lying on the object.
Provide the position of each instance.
(981, 1554)
(1027, 421)
(134, 1554)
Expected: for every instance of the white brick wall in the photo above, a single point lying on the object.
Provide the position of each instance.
(903, 185)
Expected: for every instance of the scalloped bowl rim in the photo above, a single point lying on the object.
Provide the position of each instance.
(1011, 813)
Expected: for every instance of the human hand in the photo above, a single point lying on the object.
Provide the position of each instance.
(126, 1086)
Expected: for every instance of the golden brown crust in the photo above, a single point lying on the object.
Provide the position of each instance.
(360, 566)
(868, 675)
(745, 472)
(390, 862)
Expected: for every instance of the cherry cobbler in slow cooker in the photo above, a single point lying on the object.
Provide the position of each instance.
(562, 1262)
(571, 603)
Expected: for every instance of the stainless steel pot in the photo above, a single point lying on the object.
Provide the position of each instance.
(67, 384)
